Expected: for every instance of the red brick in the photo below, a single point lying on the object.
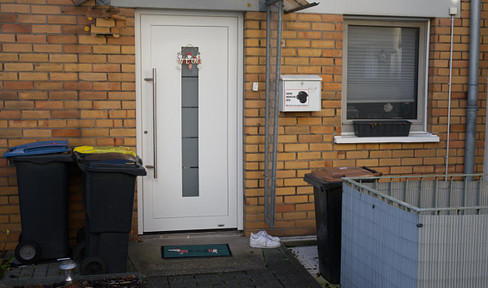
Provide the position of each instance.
(5, 114)
(94, 95)
(48, 85)
(77, 85)
(46, 28)
(121, 59)
(10, 133)
(37, 133)
(66, 133)
(16, 28)
(65, 114)
(23, 123)
(18, 85)
(61, 19)
(93, 58)
(7, 18)
(43, 9)
(49, 48)
(63, 58)
(8, 47)
(36, 57)
(92, 39)
(15, 8)
(49, 105)
(106, 68)
(106, 49)
(77, 49)
(48, 67)
(87, 114)
(108, 86)
(106, 105)
(63, 39)
(36, 114)
(31, 38)
(36, 76)
(33, 95)
(122, 40)
(64, 76)
(28, 18)
(18, 66)
(63, 95)
(7, 37)
(73, 29)
(93, 76)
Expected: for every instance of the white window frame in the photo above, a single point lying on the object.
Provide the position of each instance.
(418, 131)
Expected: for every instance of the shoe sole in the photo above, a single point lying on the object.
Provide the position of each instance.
(264, 247)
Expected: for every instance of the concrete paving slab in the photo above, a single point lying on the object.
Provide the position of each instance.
(281, 271)
(248, 267)
(145, 255)
(309, 257)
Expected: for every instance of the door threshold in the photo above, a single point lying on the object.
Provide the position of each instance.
(192, 234)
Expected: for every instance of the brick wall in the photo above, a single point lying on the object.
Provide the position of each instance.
(312, 44)
(58, 80)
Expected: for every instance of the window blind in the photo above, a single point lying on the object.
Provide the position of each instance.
(382, 64)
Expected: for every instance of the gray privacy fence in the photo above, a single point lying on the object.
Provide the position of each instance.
(415, 231)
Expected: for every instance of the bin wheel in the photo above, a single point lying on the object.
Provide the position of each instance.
(80, 235)
(27, 252)
(80, 251)
(93, 265)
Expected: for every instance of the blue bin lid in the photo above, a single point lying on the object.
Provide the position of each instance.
(38, 148)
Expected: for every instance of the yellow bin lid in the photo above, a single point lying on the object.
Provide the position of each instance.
(104, 149)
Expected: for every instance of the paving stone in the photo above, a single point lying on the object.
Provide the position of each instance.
(40, 271)
(26, 272)
(156, 282)
(11, 274)
(53, 270)
(278, 271)
(235, 275)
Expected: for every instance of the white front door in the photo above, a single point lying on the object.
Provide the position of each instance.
(191, 139)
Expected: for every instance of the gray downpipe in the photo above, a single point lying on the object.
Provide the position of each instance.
(485, 158)
(267, 187)
(472, 101)
(450, 98)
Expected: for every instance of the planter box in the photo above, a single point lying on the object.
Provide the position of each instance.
(393, 242)
(381, 128)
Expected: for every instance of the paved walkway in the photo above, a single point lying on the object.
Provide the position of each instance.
(280, 270)
(248, 267)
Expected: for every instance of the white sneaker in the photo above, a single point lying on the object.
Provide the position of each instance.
(261, 241)
(265, 234)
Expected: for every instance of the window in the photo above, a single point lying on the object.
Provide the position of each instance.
(384, 72)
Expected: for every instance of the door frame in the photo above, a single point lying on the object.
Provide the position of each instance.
(240, 102)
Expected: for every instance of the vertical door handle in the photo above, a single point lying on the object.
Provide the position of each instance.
(155, 125)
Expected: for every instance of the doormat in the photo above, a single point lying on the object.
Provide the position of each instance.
(195, 251)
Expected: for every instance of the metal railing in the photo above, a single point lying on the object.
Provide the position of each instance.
(456, 194)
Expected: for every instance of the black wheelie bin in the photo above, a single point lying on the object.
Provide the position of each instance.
(327, 183)
(42, 170)
(109, 180)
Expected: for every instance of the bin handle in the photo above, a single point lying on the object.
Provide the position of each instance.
(376, 173)
(155, 125)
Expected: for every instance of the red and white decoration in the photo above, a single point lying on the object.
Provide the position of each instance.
(189, 60)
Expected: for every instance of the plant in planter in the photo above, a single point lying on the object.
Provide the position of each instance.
(381, 128)
(5, 263)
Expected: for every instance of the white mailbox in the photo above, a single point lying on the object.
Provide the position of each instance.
(300, 93)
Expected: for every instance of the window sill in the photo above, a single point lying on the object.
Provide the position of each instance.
(412, 138)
